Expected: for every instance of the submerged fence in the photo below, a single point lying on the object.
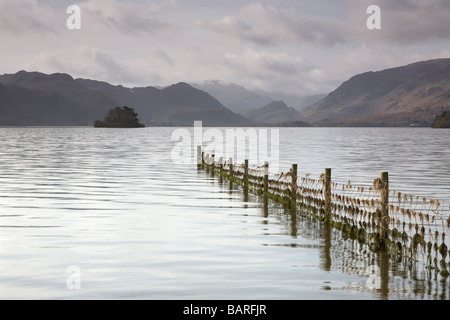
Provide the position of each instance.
(404, 226)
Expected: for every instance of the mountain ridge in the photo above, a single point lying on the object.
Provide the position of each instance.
(275, 112)
(410, 95)
(35, 98)
(242, 100)
(407, 95)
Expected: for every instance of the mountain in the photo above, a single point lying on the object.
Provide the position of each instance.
(273, 113)
(234, 97)
(37, 99)
(124, 96)
(33, 98)
(241, 100)
(408, 95)
(179, 104)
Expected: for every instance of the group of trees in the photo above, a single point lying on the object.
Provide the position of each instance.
(120, 118)
(442, 121)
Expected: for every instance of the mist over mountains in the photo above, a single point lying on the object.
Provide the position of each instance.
(242, 100)
(274, 112)
(403, 96)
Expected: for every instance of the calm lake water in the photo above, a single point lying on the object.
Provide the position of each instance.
(105, 214)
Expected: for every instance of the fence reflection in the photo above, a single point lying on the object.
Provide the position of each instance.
(411, 273)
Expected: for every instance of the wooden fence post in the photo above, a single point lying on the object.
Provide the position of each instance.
(294, 183)
(212, 163)
(266, 177)
(327, 193)
(384, 206)
(231, 167)
(246, 172)
(199, 156)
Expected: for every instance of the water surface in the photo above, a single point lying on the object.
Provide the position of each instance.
(112, 203)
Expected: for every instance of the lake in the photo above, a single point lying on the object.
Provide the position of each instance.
(106, 214)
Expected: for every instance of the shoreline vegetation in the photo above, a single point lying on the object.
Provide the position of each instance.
(442, 121)
(120, 118)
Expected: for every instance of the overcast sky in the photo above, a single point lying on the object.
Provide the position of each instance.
(297, 46)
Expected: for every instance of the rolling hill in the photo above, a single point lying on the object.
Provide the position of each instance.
(409, 95)
(37, 99)
(177, 105)
(274, 112)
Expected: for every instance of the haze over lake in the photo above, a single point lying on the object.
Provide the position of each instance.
(111, 203)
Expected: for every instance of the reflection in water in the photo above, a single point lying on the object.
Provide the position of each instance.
(388, 278)
(326, 255)
(392, 279)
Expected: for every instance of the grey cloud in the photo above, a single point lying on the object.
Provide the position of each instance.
(405, 22)
(163, 56)
(86, 62)
(235, 28)
(27, 16)
(276, 70)
(268, 26)
(125, 17)
(289, 26)
(105, 64)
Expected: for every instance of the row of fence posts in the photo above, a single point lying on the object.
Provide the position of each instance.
(384, 190)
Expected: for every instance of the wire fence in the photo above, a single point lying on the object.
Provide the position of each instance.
(404, 225)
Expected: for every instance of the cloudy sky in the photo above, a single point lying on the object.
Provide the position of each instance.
(296, 46)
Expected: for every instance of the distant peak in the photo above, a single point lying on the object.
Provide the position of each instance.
(64, 76)
(181, 84)
(278, 103)
(178, 86)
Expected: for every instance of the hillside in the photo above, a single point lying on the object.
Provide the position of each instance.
(274, 112)
(37, 99)
(402, 96)
(242, 100)
(177, 105)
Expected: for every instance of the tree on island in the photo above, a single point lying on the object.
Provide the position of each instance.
(120, 118)
(442, 121)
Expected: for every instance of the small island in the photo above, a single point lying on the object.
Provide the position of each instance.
(442, 121)
(120, 118)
